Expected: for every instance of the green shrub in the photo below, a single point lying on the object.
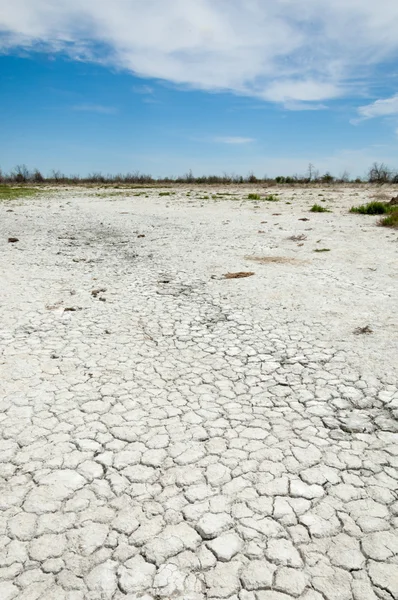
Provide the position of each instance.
(372, 208)
(254, 197)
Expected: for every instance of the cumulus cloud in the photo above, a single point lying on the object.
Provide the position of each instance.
(279, 50)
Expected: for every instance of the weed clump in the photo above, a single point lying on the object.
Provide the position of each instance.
(372, 208)
(271, 198)
(254, 197)
(390, 221)
(318, 208)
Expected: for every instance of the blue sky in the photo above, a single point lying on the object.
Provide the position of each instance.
(214, 86)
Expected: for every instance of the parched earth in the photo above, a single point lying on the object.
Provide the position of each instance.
(169, 433)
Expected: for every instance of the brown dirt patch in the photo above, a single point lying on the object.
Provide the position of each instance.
(265, 260)
(238, 275)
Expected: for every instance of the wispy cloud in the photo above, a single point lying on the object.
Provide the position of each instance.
(233, 140)
(381, 108)
(283, 51)
(95, 108)
(143, 89)
(295, 105)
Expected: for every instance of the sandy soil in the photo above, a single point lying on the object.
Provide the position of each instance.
(167, 432)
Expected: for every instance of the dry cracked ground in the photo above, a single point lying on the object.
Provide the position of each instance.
(167, 433)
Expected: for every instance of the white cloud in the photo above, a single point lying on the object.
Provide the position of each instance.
(279, 50)
(96, 108)
(234, 140)
(299, 105)
(380, 108)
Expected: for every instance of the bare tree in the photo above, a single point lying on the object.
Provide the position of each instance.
(310, 171)
(379, 173)
(37, 177)
(344, 177)
(21, 174)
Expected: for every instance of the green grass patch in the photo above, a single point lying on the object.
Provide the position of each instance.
(374, 208)
(254, 197)
(318, 208)
(391, 220)
(271, 198)
(13, 193)
(166, 193)
(322, 250)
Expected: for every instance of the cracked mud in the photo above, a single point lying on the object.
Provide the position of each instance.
(167, 433)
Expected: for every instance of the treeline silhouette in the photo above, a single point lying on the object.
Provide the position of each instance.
(377, 173)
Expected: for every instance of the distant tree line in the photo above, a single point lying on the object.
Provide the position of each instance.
(378, 173)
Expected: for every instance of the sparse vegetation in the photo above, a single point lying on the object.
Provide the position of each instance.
(372, 208)
(322, 250)
(254, 197)
(21, 174)
(391, 220)
(390, 209)
(318, 208)
(12, 193)
(271, 198)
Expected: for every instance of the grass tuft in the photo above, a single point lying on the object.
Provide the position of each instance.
(271, 198)
(318, 208)
(390, 221)
(254, 197)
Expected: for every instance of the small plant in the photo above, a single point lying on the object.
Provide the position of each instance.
(390, 221)
(164, 193)
(254, 197)
(318, 208)
(372, 208)
(271, 198)
(322, 250)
